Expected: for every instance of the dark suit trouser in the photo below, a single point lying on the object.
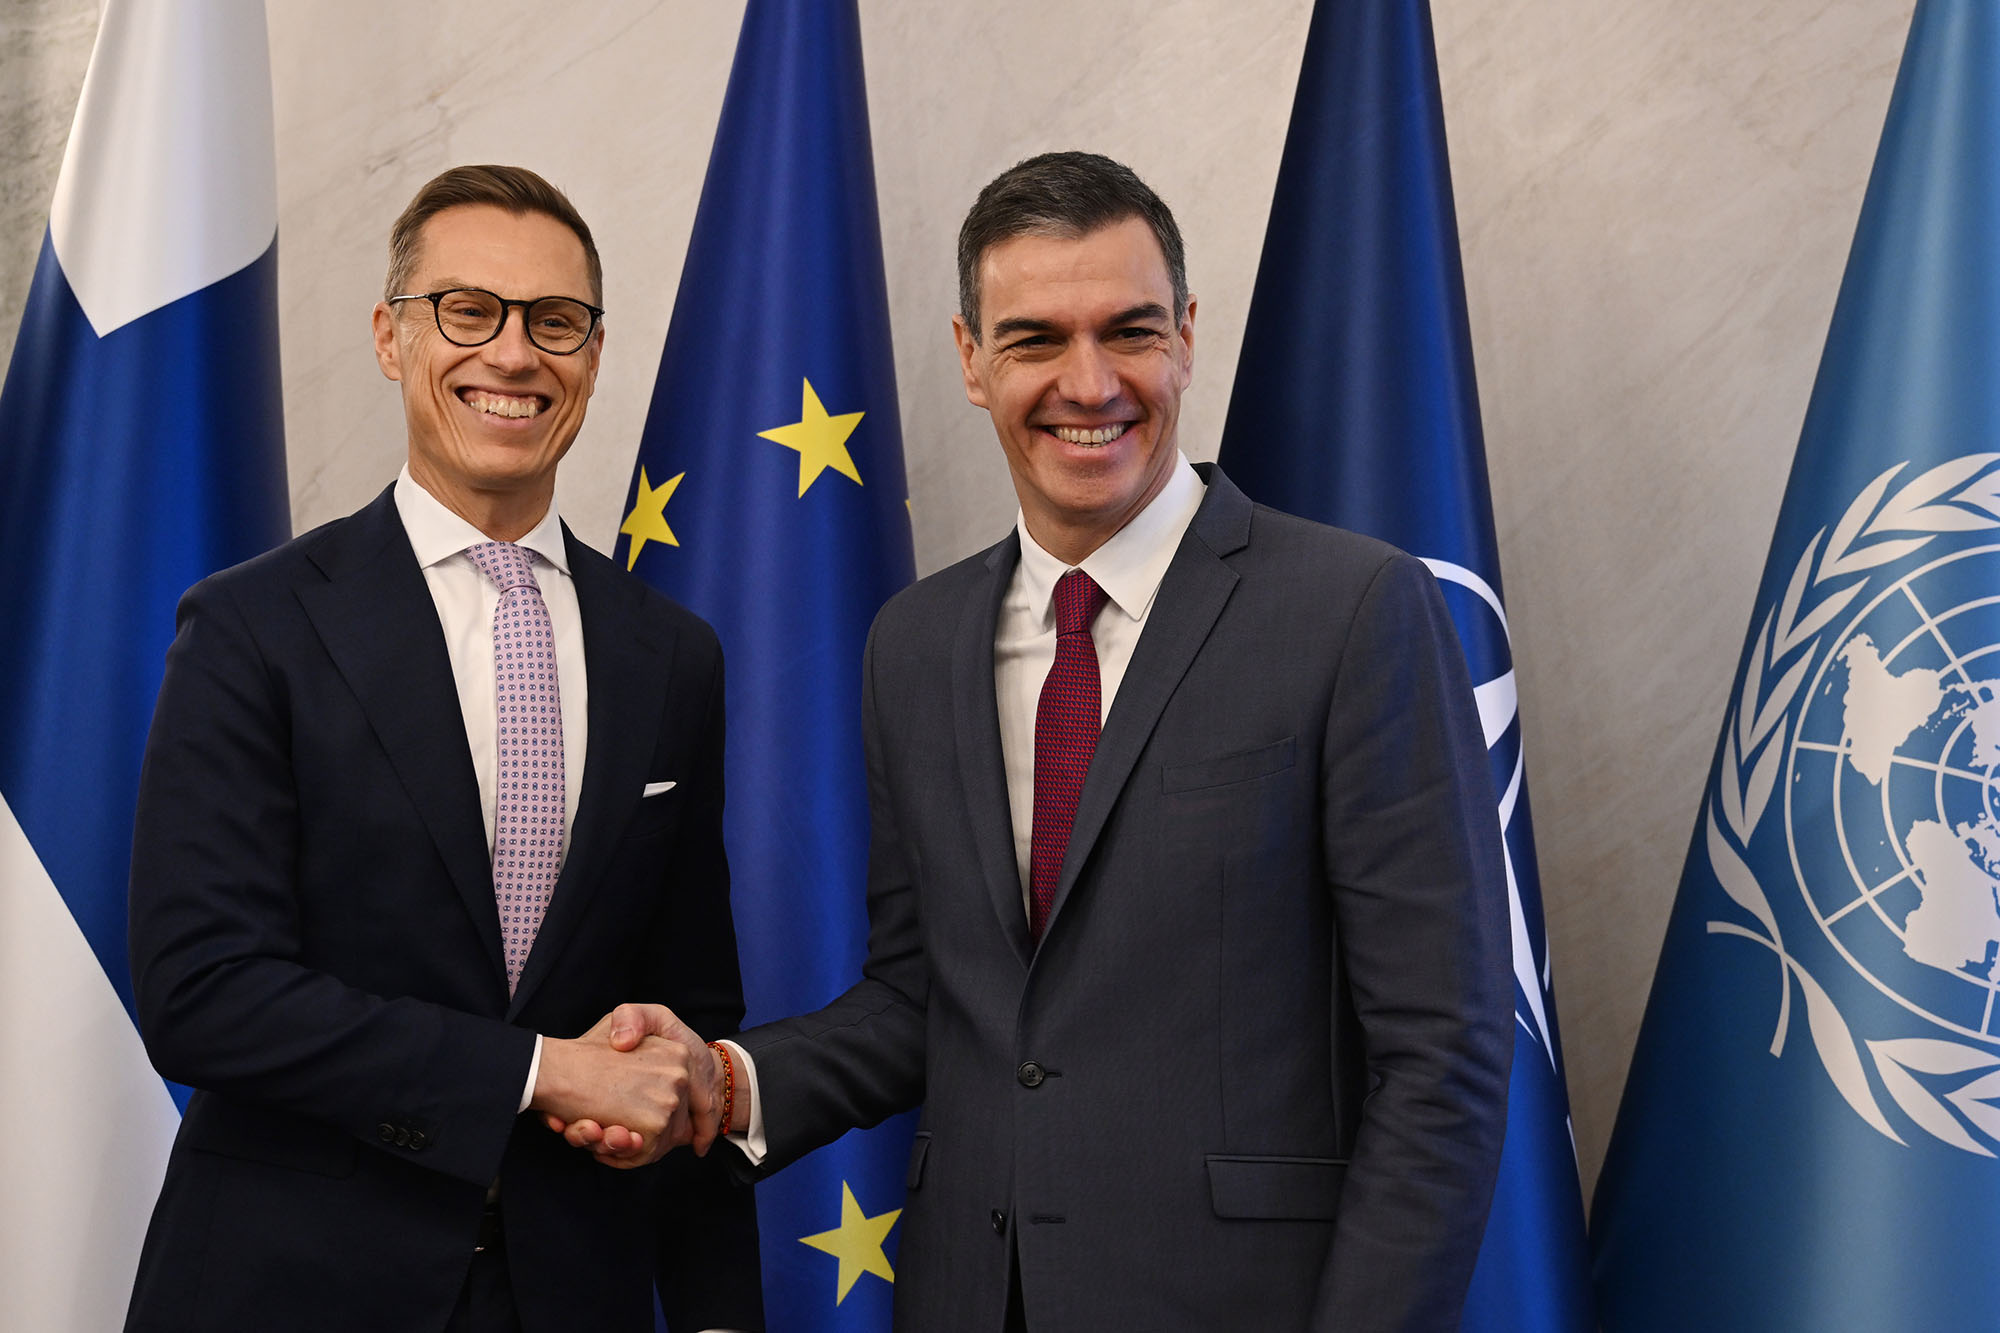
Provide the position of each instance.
(486, 1304)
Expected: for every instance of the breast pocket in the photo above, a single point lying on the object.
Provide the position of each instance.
(1229, 769)
(659, 811)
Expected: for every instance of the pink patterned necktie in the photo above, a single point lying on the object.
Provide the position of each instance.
(528, 824)
(1066, 726)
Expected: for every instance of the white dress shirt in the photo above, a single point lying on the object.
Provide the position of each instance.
(466, 600)
(1130, 567)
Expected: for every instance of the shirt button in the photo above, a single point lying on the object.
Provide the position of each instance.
(999, 1222)
(1030, 1074)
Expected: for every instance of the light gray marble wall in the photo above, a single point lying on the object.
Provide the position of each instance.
(1655, 198)
(44, 47)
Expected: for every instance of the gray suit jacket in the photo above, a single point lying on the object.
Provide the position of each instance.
(1255, 1075)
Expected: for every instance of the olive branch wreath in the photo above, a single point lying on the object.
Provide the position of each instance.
(1956, 496)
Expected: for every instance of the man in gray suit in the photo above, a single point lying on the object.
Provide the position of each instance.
(1209, 1011)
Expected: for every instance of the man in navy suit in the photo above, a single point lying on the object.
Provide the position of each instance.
(1188, 918)
(429, 790)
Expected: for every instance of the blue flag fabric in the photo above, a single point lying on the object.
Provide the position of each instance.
(1355, 404)
(141, 449)
(769, 498)
(1809, 1129)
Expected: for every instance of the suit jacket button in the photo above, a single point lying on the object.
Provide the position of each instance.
(403, 1138)
(386, 1132)
(999, 1222)
(1030, 1074)
(419, 1140)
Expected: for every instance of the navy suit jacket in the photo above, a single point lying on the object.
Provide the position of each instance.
(316, 951)
(1255, 1074)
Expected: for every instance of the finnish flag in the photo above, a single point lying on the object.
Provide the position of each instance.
(141, 448)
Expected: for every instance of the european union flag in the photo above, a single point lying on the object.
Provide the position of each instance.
(769, 497)
(1355, 405)
(1809, 1129)
(141, 449)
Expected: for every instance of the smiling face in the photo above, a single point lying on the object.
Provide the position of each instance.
(488, 424)
(1081, 364)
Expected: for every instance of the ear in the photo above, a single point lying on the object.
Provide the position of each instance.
(1187, 345)
(387, 354)
(975, 388)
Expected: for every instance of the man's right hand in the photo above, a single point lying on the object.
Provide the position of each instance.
(634, 1028)
(640, 1084)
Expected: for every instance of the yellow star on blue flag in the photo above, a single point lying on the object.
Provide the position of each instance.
(821, 440)
(648, 520)
(789, 563)
(857, 1243)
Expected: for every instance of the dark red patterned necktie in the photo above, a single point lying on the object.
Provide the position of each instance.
(1066, 726)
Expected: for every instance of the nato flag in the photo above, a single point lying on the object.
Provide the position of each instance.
(1355, 405)
(1809, 1129)
(141, 449)
(769, 498)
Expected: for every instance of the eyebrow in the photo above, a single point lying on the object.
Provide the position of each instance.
(460, 285)
(1007, 328)
(1138, 314)
(1146, 310)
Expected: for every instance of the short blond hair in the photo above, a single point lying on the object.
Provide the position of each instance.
(516, 189)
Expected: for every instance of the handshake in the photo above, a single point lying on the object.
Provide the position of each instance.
(636, 1085)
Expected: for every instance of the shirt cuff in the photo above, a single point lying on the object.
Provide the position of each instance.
(534, 1068)
(750, 1142)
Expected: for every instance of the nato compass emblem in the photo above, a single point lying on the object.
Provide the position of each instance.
(1498, 702)
(1855, 814)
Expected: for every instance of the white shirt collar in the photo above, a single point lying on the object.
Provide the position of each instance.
(436, 533)
(1132, 563)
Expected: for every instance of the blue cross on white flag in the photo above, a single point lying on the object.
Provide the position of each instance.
(141, 449)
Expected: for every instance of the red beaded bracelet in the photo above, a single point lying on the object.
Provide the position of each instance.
(728, 1085)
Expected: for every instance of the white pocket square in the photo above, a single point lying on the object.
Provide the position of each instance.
(655, 788)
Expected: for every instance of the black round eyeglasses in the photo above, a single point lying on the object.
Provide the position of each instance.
(472, 316)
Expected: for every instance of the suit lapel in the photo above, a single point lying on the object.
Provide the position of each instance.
(982, 771)
(1196, 587)
(630, 667)
(375, 616)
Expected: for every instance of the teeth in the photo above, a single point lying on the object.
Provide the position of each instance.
(1087, 435)
(502, 405)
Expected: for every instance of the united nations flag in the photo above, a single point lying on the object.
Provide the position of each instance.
(1809, 1134)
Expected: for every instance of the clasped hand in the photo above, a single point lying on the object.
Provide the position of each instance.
(637, 1084)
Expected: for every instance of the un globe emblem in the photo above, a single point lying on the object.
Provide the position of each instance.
(1868, 712)
(1892, 799)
